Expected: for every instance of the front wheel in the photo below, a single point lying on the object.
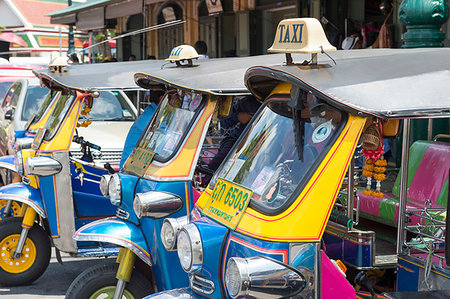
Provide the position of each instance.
(14, 209)
(35, 254)
(100, 281)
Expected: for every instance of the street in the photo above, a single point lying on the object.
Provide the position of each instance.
(55, 280)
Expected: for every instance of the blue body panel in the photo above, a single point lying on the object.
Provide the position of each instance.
(351, 250)
(88, 200)
(411, 275)
(166, 266)
(128, 187)
(213, 236)
(19, 133)
(7, 162)
(24, 193)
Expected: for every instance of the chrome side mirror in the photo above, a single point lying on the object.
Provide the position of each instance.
(156, 204)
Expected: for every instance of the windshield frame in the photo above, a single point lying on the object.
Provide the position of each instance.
(205, 98)
(306, 178)
(72, 97)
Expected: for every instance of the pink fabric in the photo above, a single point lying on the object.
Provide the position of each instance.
(371, 205)
(195, 195)
(431, 174)
(332, 283)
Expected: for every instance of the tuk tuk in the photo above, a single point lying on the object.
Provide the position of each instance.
(24, 140)
(163, 176)
(256, 231)
(60, 188)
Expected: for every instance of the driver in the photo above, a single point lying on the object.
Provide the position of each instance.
(241, 114)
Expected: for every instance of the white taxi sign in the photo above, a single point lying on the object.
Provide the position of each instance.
(183, 52)
(301, 35)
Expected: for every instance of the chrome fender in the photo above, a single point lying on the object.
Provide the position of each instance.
(25, 194)
(7, 162)
(116, 231)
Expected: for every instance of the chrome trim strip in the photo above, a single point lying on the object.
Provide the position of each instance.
(25, 201)
(117, 241)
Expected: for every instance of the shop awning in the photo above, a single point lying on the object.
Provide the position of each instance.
(93, 13)
(12, 38)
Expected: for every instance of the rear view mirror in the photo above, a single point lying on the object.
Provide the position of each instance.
(9, 113)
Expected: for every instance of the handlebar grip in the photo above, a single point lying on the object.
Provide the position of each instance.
(91, 145)
(341, 219)
(81, 141)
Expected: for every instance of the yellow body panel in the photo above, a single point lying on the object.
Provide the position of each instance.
(44, 118)
(29, 153)
(306, 218)
(63, 138)
(182, 164)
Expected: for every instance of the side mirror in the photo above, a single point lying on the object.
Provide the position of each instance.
(9, 113)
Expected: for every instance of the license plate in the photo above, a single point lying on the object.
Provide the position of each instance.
(138, 162)
(227, 203)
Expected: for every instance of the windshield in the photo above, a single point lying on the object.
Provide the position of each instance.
(171, 123)
(35, 98)
(4, 86)
(277, 152)
(58, 114)
(111, 105)
(45, 104)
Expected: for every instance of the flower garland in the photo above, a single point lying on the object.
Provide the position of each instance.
(374, 154)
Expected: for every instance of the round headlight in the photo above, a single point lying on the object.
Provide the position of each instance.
(104, 184)
(190, 249)
(170, 230)
(18, 162)
(115, 190)
(168, 236)
(235, 276)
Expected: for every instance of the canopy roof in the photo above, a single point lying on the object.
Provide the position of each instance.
(98, 76)
(214, 76)
(390, 83)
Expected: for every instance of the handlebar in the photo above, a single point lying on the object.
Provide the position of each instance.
(81, 141)
(341, 219)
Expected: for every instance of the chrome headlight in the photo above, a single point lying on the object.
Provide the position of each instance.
(115, 190)
(18, 162)
(23, 143)
(104, 184)
(190, 248)
(156, 204)
(169, 231)
(41, 166)
(259, 277)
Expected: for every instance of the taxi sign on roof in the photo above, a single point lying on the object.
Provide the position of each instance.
(183, 52)
(301, 35)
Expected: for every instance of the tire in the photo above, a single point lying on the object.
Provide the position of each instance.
(35, 257)
(100, 281)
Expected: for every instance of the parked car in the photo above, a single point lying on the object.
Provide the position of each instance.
(21, 101)
(9, 73)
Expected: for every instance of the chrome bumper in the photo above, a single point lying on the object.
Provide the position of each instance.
(184, 293)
